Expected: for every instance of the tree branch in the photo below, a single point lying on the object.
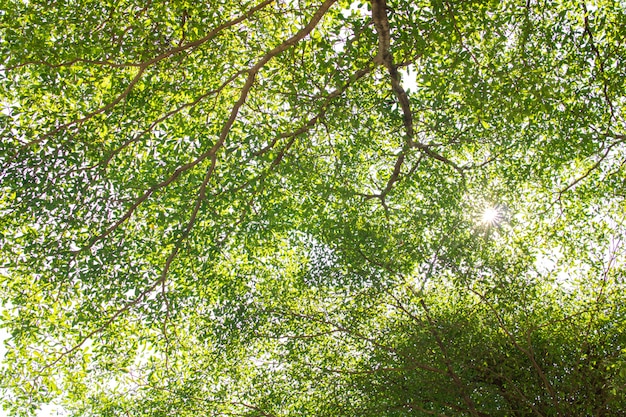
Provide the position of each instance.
(385, 58)
(212, 152)
(599, 61)
(444, 351)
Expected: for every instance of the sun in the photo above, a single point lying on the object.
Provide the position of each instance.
(490, 216)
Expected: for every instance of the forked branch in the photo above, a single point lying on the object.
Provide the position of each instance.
(385, 58)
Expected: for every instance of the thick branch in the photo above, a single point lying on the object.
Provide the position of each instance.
(212, 152)
(381, 23)
(385, 58)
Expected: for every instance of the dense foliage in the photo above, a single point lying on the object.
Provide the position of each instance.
(276, 208)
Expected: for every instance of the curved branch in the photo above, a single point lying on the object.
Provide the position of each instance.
(385, 58)
(212, 153)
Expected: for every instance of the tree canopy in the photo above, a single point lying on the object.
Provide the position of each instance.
(313, 208)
